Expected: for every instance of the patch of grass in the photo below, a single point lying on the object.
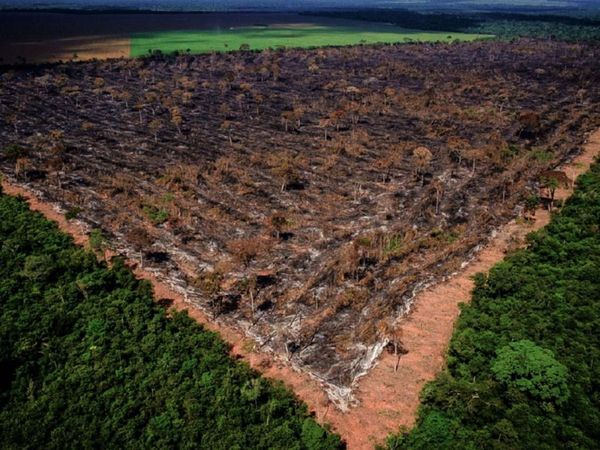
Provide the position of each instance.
(261, 37)
(448, 236)
(394, 245)
(73, 213)
(542, 155)
(156, 215)
(14, 152)
(97, 240)
(167, 198)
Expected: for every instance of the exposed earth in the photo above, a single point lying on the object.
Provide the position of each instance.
(303, 197)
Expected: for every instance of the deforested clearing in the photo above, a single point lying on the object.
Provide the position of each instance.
(304, 196)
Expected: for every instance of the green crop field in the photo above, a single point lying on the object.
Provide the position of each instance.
(261, 37)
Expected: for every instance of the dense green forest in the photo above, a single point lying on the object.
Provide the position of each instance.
(503, 25)
(523, 364)
(514, 28)
(88, 360)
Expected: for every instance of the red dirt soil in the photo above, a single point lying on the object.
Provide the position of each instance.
(388, 398)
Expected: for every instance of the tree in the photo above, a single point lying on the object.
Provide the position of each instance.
(14, 152)
(506, 179)
(284, 166)
(531, 204)
(533, 370)
(209, 282)
(226, 126)
(286, 117)
(335, 117)
(474, 154)
(275, 71)
(421, 159)
(551, 184)
(434, 432)
(139, 107)
(298, 113)
(353, 110)
(145, 75)
(392, 334)
(245, 249)
(264, 73)
(22, 165)
(258, 99)
(38, 268)
(225, 110)
(278, 223)
(56, 165)
(186, 98)
(438, 187)
(98, 85)
(249, 285)
(113, 92)
(176, 118)
(139, 237)
(240, 98)
(125, 97)
(155, 126)
(530, 124)
(552, 180)
(324, 124)
(56, 147)
(457, 147)
(151, 98)
(98, 243)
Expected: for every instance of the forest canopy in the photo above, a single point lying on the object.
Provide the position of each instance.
(503, 25)
(87, 357)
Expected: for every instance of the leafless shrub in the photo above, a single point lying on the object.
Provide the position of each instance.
(246, 249)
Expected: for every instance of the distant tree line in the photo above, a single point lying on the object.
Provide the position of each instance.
(407, 19)
(523, 366)
(504, 25)
(89, 360)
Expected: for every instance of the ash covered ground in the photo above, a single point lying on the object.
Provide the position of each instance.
(303, 196)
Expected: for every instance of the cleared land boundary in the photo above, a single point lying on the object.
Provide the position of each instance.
(389, 398)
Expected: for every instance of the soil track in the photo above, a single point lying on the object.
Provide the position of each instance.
(389, 393)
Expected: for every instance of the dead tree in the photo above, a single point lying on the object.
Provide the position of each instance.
(324, 124)
(286, 118)
(393, 335)
(422, 157)
(155, 126)
(176, 118)
(278, 223)
(438, 188)
(226, 126)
